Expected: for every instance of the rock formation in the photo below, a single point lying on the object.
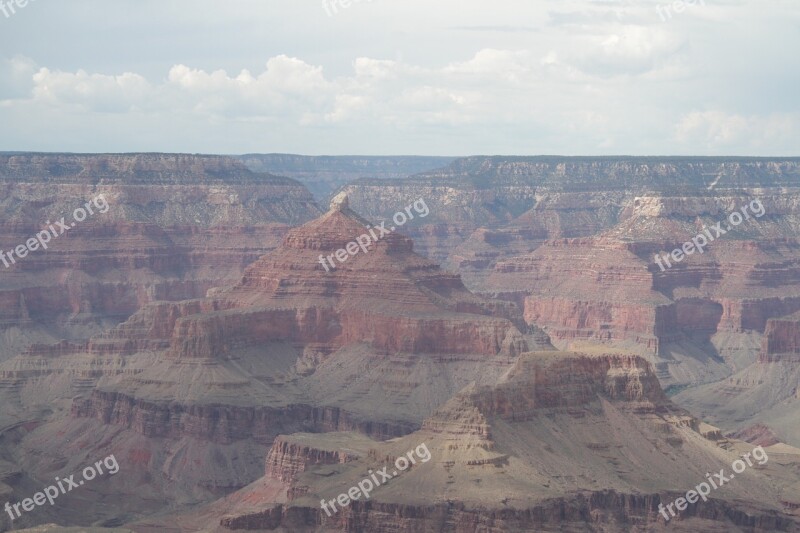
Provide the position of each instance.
(572, 241)
(762, 401)
(241, 371)
(374, 345)
(562, 441)
(175, 226)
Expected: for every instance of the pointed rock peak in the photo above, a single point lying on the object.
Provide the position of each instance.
(340, 202)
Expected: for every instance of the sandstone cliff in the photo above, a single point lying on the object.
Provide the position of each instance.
(175, 226)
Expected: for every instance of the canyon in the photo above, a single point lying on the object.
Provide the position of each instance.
(176, 226)
(325, 175)
(572, 242)
(522, 331)
(556, 443)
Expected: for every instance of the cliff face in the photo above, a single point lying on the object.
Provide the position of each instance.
(573, 242)
(174, 226)
(561, 279)
(223, 424)
(781, 340)
(204, 394)
(525, 454)
(562, 196)
(373, 345)
(607, 511)
(760, 402)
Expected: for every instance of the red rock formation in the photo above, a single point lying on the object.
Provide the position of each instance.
(781, 340)
(561, 279)
(526, 455)
(373, 346)
(289, 297)
(758, 434)
(590, 227)
(176, 225)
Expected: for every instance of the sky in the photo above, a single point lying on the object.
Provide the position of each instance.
(401, 77)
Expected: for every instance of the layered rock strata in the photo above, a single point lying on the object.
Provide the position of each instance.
(174, 226)
(558, 443)
(373, 345)
(762, 401)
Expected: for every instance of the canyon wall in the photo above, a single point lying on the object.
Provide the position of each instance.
(175, 226)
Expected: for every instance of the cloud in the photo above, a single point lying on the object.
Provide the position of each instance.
(455, 77)
(288, 88)
(627, 50)
(714, 129)
(16, 77)
(498, 64)
(97, 92)
(499, 29)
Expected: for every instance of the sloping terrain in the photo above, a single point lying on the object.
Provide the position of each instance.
(241, 402)
(764, 395)
(563, 442)
(195, 391)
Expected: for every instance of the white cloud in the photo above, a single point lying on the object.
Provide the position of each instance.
(712, 129)
(16, 77)
(97, 92)
(627, 50)
(556, 76)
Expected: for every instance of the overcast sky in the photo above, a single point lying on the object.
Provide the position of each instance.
(432, 77)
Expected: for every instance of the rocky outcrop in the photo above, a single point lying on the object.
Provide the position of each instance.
(560, 298)
(292, 455)
(552, 380)
(608, 510)
(174, 226)
(515, 457)
(224, 424)
(373, 345)
(781, 340)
